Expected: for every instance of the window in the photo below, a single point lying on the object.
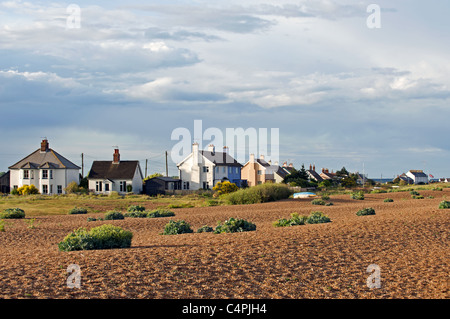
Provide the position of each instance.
(237, 170)
(259, 182)
(45, 174)
(26, 174)
(259, 172)
(51, 174)
(98, 186)
(106, 187)
(123, 186)
(59, 189)
(223, 169)
(205, 185)
(51, 189)
(44, 189)
(205, 169)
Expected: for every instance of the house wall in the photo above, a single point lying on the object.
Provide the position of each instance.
(191, 170)
(250, 173)
(61, 177)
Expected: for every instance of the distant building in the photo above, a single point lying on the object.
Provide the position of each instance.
(203, 169)
(161, 185)
(258, 171)
(5, 183)
(326, 174)
(116, 175)
(313, 175)
(418, 176)
(46, 169)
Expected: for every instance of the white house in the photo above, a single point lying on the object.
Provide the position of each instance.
(47, 170)
(418, 176)
(204, 169)
(116, 175)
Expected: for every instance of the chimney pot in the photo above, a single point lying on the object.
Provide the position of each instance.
(44, 145)
(261, 157)
(116, 156)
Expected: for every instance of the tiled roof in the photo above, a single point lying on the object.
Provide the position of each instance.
(108, 170)
(49, 159)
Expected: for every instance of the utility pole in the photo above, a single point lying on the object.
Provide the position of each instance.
(146, 161)
(167, 167)
(82, 165)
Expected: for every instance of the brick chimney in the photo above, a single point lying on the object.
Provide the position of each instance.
(116, 156)
(44, 145)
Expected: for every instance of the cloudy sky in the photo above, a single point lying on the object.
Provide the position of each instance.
(128, 73)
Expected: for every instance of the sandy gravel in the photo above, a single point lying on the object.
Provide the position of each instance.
(408, 240)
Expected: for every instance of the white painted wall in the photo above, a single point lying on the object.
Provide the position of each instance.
(62, 177)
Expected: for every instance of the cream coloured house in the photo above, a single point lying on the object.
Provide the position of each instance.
(46, 169)
(258, 171)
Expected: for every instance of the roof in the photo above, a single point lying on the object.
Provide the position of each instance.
(220, 158)
(315, 175)
(49, 159)
(108, 170)
(418, 173)
(167, 179)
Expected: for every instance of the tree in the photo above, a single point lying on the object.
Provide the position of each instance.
(298, 178)
(72, 188)
(342, 172)
(152, 176)
(348, 182)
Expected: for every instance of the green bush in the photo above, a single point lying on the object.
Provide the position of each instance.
(101, 237)
(366, 211)
(318, 201)
(113, 215)
(259, 194)
(444, 204)
(160, 213)
(205, 229)
(12, 213)
(175, 227)
(77, 210)
(357, 195)
(388, 200)
(414, 193)
(329, 204)
(233, 225)
(317, 218)
(91, 219)
(135, 208)
(295, 220)
(136, 214)
(417, 197)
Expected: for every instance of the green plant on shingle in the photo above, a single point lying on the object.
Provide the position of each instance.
(12, 213)
(365, 211)
(78, 210)
(91, 219)
(444, 204)
(318, 201)
(357, 195)
(2, 225)
(417, 197)
(114, 215)
(160, 213)
(388, 200)
(101, 237)
(295, 220)
(317, 218)
(414, 193)
(175, 227)
(233, 225)
(205, 229)
(135, 208)
(136, 214)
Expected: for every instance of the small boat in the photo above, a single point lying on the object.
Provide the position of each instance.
(304, 195)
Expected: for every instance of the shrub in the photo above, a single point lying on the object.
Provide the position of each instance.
(72, 188)
(295, 220)
(225, 187)
(317, 218)
(101, 237)
(366, 211)
(259, 194)
(318, 201)
(28, 190)
(160, 213)
(2, 225)
(135, 208)
(175, 227)
(91, 219)
(417, 197)
(444, 204)
(12, 213)
(329, 204)
(325, 197)
(113, 215)
(388, 200)
(233, 225)
(136, 214)
(205, 229)
(77, 210)
(414, 193)
(357, 195)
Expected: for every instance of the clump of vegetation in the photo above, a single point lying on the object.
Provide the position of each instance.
(114, 215)
(27, 190)
(205, 229)
(233, 225)
(414, 193)
(160, 213)
(136, 214)
(12, 213)
(444, 204)
(78, 210)
(325, 196)
(91, 219)
(357, 195)
(329, 204)
(296, 219)
(388, 200)
(317, 218)
(417, 197)
(135, 208)
(2, 225)
(318, 201)
(175, 227)
(259, 194)
(225, 187)
(366, 211)
(101, 237)
(181, 205)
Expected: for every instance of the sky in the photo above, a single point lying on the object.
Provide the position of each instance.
(344, 86)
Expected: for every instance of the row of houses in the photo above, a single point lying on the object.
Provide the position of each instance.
(51, 172)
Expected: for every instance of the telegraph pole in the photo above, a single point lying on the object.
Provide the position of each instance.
(167, 167)
(82, 165)
(146, 161)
